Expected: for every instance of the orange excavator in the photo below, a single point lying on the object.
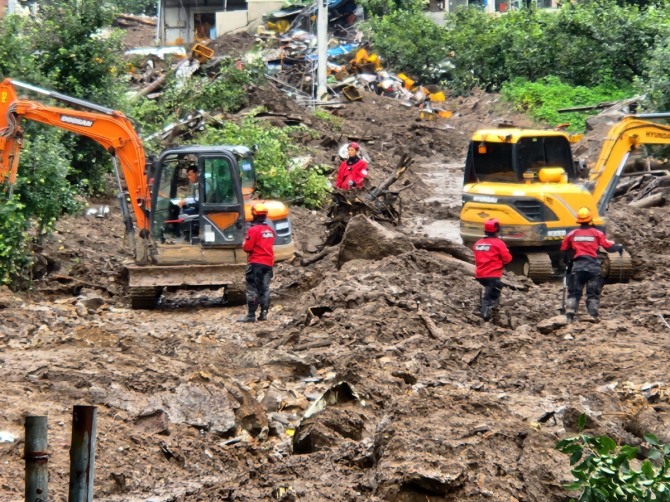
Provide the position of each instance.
(195, 248)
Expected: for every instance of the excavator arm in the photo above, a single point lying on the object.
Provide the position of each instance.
(109, 128)
(624, 137)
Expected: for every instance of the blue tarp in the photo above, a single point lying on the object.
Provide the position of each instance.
(338, 51)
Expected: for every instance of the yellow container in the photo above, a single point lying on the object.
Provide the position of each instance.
(437, 96)
(202, 53)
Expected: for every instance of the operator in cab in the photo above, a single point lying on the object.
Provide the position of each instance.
(188, 198)
(491, 255)
(258, 244)
(583, 267)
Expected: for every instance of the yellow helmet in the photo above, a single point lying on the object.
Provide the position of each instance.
(259, 209)
(584, 215)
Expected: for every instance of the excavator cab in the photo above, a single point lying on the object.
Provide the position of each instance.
(213, 213)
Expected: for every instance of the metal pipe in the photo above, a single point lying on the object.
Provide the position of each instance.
(37, 458)
(82, 453)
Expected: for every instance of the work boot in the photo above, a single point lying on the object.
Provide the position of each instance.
(251, 313)
(592, 308)
(486, 313)
(247, 318)
(264, 315)
(570, 316)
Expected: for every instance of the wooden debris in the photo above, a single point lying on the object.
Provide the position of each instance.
(379, 204)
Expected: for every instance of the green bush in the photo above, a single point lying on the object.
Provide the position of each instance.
(605, 472)
(14, 257)
(542, 99)
(42, 187)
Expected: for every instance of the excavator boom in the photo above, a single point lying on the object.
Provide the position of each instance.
(109, 128)
(623, 138)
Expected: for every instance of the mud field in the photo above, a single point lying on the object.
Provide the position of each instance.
(374, 378)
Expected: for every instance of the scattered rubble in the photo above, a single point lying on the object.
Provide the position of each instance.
(374, 379)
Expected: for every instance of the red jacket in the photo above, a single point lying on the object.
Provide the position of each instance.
(491, 254)
(353, 169)
(585, 242)
(258, 244)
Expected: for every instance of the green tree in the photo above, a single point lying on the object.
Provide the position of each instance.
(79, 56)
(17, 59)
(13, 241)
(655, 81)
(43, 188)
(145, 7)
(409, 42)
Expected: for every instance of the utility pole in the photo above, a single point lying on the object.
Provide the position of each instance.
(321, 49)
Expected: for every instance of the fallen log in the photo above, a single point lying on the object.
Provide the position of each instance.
(657, 199)
(469, 268)
(149, 21)
(444, 246)
(156, 84)
(319, 256)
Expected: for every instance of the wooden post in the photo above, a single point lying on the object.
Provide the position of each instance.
(37, 458)
(82, 454)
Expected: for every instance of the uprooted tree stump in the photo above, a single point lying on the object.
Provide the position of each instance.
(378, 204)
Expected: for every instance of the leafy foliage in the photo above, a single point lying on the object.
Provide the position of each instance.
(276, 178)
(146, 7)
(13, 241)
(227, 92)
(543, 98)
(382, 8)
(584, 44)
(605, 472)
(78, 58)
(43, 188)
(409, 41)
(16, 55)
(655, 82)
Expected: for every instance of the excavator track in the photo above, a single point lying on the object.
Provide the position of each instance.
(617, 268)
(538, 267)
(145, 297)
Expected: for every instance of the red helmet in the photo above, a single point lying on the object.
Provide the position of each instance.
(259, 209)
(354, 145)
(491, 226)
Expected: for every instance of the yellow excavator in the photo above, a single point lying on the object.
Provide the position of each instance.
(526, 178)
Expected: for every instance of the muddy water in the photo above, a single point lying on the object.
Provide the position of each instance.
(444, 181)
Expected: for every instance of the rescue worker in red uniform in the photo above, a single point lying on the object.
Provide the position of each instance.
(258, 244)
(353, 171)
(580, 250)
(491, 255)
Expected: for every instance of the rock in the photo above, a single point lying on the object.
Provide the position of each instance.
(552, 324)
(368, 240)
(6, 297)
(92, 303)
(153, 423)
(276, 429)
